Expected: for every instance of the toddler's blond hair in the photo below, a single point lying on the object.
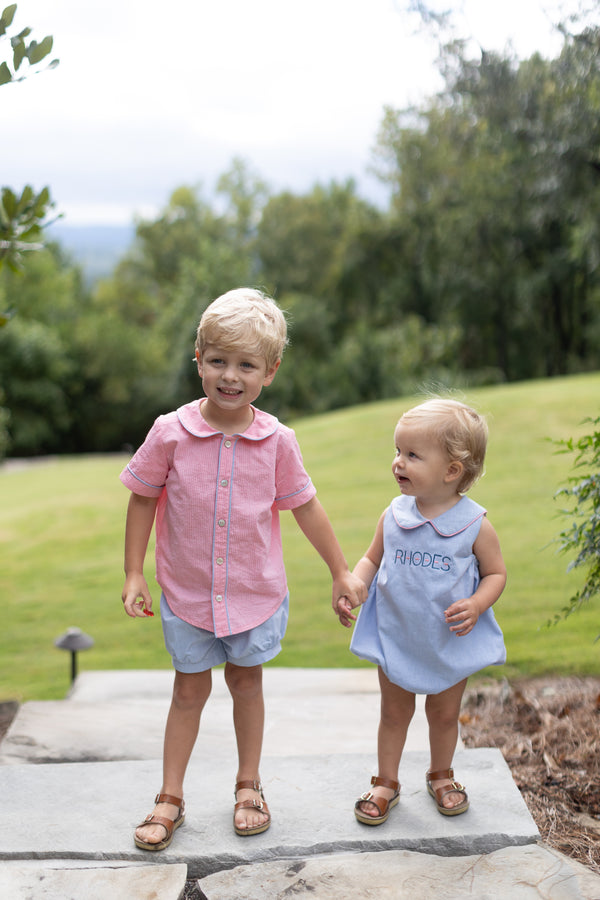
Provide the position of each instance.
(460, 430)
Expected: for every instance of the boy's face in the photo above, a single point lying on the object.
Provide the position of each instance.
(232, 379)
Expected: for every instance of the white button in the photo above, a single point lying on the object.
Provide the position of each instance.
(219, 560)
(228, 443)
(223, 482)
(222, 522)
(218, 598)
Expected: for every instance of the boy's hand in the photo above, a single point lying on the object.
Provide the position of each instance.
(462, 616)
(349, 591)
(350, 587)
(137, 601)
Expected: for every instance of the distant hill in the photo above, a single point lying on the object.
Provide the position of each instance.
(96, 248)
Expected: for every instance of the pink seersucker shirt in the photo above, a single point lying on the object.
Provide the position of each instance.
(219, 558)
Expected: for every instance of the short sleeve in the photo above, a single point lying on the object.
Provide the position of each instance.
(293, 484)
(147, 471)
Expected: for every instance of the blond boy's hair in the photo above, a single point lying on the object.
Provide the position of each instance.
(460, 430)
(244, 319)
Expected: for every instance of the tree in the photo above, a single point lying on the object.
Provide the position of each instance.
(22, 216)
(496, 189)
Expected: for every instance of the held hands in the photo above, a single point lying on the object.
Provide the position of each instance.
(348, 593)
(462, 616)
(136, 598)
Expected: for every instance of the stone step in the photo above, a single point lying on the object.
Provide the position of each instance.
(88, 811)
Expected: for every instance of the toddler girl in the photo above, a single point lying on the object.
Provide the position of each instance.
(434, 570)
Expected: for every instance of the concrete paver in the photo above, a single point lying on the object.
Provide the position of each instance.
(521, 873)
(320, 750)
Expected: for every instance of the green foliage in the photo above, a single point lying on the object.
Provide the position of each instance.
(22, 220)
(583, 535)
(32, 52)
(496, 194)
(21, 217)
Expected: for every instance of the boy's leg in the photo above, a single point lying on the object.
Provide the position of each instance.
(245, 687)
(397, 709)
(442, 712)
(190, 693)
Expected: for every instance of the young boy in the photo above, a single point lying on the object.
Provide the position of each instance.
(215, 474)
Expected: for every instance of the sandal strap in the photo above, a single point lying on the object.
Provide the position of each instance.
(170, 798)
(380, 803)
(441, 774)
(167, 824)
(378, 781)
(248, 786)
(261, 805)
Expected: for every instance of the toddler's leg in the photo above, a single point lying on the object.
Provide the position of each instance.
(245, 687)
(397, 709)
(442, 712)
(190, 693)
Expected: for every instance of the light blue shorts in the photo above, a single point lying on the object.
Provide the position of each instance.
(193, 649)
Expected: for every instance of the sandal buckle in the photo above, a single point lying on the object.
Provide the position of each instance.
(367, 795)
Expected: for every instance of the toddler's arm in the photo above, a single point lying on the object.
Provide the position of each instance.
(365, 569)
(140, 518)
(462, 615)
(313, 521)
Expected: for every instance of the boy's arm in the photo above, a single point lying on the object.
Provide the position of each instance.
(313, 521)
(140, 518)
(463, 614)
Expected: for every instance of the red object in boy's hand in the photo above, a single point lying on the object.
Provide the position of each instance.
(148, 612)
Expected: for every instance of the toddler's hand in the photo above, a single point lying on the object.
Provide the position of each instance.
(462, 616)
(342, 608)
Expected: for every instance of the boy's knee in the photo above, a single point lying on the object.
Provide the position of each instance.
(190, 691)
(243, 681)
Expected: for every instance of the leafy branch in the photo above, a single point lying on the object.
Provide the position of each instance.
(583, 535)
(32, 52)
(21, 216)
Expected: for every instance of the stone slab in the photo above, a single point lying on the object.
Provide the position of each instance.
(120, 715)
(89, 810)
(522, 873)
(62, 880)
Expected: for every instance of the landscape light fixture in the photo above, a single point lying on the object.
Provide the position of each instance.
(74, 639)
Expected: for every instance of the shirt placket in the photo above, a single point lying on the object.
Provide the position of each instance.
(221, 537)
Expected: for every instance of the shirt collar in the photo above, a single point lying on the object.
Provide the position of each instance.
(191, 419)
(453, 521)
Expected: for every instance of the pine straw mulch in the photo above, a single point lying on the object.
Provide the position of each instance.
(548, 730)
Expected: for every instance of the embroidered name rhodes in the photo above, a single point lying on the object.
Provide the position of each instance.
(423, 559)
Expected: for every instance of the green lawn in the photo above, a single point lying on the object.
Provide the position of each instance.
(61, 533)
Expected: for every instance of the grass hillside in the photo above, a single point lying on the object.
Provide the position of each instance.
(61, 536)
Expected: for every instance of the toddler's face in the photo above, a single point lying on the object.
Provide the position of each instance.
(420, 465)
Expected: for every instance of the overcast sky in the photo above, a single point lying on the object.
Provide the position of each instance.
(150, 95)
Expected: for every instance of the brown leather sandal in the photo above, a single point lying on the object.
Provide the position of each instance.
(261, 805)
(168, 824)
(380, 803)
(438, 794)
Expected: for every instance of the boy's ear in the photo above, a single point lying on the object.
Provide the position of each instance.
(454, 471)
(270, 375)
(198, 361)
